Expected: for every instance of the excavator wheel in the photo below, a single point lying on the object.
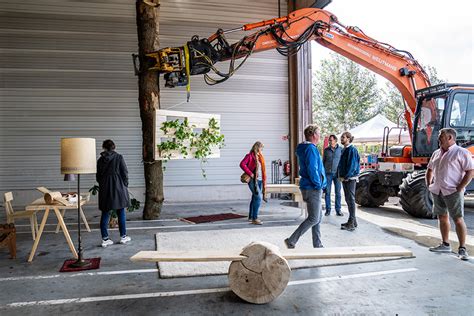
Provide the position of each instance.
(415, 197)
(366, 190)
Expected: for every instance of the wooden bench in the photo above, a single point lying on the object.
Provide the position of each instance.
(291, 189)
(8, 238)
(259, 272)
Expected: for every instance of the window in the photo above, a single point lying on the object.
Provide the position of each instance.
(428, 123)
(431, 113)
(462, 111)
(470, 111)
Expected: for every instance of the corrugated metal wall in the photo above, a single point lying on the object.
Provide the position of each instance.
(66, 71)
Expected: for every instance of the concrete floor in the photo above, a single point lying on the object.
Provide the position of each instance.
(433, 284)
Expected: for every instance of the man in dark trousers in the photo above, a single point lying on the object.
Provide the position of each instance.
(348, 172)
(331, 157)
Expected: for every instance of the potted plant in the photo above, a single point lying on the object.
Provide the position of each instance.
(113, 221)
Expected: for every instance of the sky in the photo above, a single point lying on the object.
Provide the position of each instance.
(438, 33)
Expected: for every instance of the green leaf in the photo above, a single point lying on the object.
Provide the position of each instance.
(344, 95)
(199, 143)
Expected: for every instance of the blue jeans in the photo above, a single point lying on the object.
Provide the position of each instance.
(104, 223)
(313, 201)
(256, 200)
(332, 177)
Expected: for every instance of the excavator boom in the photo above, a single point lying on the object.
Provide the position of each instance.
(287, 34)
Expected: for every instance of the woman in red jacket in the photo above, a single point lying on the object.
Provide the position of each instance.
(253, 164)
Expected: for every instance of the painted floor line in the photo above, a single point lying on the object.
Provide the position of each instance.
(133, 221)
(118, 297)
(351, 276)
(98, 223)
(191, 292)
(175, 226)
(72, 275)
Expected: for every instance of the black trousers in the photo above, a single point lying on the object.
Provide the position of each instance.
(349, 187)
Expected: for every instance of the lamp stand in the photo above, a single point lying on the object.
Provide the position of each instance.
(78, 157)
(80, 262)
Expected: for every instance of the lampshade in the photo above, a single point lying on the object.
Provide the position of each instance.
(69, 177)
(78, 155)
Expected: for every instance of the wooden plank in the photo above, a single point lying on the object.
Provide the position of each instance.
(38, 235)
(348, 252)
(234, 255)
(187, 256)
(282, 188)
(171, 113)
(43, 190)
(175, 154)
(40, 204)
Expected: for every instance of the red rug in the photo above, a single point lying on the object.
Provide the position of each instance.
(211, 218)
(95, 264)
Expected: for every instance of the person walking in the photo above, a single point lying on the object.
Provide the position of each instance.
(312, 183)
(348, 172)
(112, 176)
(253, 165)
(449, 171)
(331, 156)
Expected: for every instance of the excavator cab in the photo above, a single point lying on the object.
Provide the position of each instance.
(442, 106)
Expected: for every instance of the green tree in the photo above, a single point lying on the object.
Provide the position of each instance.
(344, 95)
(392, 101)
(392, 104)
(433, 75)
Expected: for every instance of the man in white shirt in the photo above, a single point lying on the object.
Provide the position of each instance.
(450, 170)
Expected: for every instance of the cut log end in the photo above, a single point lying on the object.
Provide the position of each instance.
(262, 276)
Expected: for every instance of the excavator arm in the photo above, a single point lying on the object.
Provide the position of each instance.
(287, 34)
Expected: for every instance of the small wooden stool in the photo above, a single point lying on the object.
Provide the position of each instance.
(8, 238)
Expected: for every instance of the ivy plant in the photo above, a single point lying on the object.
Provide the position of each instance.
(189, 143)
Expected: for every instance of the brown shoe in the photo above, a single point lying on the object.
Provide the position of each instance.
(257, 222)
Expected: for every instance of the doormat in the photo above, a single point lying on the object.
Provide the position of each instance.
(94, 264)
(211, 218)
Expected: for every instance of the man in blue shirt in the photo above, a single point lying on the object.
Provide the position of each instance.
(312, 183)
(331, 157)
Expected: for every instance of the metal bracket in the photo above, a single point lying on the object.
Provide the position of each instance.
(136, 64)
(152, 3)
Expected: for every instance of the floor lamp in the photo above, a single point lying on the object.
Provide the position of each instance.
(78, 157)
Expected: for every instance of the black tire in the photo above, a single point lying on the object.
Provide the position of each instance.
(366, 190)
(415, 198)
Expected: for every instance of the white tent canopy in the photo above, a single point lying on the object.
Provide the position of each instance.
(371, 132)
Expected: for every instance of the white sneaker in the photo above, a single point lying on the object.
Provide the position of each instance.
(125, 239)
(107, 242)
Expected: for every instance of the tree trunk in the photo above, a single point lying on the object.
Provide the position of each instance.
(149, 97)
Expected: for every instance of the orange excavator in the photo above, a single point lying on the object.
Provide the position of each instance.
(401, 169)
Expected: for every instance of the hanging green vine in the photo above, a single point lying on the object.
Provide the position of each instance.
(189, 143)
